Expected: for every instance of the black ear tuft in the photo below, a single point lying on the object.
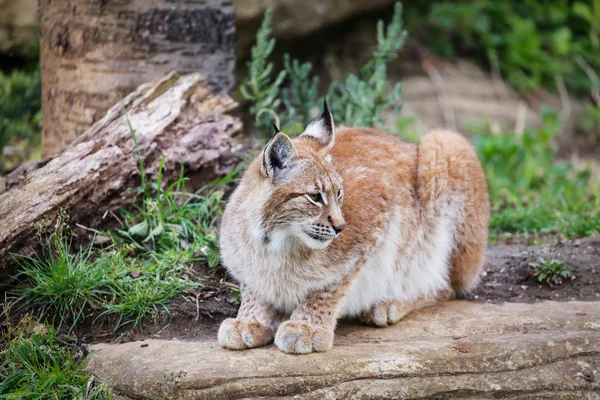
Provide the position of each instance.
(278, 154)
(322, 128)
(275, 128)
(327, 118)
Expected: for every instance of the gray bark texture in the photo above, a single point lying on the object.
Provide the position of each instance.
(94, 51)
(179, 118)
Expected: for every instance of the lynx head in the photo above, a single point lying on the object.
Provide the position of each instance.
(306, 192)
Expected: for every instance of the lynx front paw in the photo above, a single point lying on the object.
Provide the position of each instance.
(387, 313)
(302, 338)
(240, 334)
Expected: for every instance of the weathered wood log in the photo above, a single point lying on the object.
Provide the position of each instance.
(95, 50)
(179, 118)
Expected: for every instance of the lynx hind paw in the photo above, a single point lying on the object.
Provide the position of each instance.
(302, 338)
(387, 313)
(240, 334)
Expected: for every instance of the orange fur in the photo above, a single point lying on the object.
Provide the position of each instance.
(422, 208)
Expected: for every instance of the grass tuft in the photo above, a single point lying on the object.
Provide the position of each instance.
(36, 363)
(60, 281)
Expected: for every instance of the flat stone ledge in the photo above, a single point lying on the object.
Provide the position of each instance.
(456, 350)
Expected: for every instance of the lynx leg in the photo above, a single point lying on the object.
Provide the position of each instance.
(251, 328)
(390, 312)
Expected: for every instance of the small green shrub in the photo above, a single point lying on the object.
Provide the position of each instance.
(551, 271)
(172, 219)
(146, 265)
(360, 100)
(37, 364)
(257, 88)
(532, 191)
(20, 109)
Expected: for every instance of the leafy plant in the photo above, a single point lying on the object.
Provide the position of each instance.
(258, 87)
(20, 115)
(301, 96)
(171, 218)
(551, 271)
(37, 364)
(532, 191)
(360, 100)
(533, 43)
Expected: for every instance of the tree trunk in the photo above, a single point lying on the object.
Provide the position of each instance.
(178, 118)
(94, 51)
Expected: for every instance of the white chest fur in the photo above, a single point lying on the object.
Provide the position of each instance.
(404, 265)
(271, 272)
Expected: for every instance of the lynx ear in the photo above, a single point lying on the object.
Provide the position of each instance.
(278, 154)
(322, 128)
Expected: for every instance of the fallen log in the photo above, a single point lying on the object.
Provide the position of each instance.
(178, 118)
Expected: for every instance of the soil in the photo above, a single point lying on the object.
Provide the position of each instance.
(507, 277)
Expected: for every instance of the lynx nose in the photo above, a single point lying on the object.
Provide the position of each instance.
(337, 226)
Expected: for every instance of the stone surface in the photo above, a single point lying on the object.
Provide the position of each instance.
(454, 94)
(458, 350)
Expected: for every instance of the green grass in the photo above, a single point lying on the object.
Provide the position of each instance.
(532, 191)
(147, 262)
(551, 271)
(38, 364)
(60, 281)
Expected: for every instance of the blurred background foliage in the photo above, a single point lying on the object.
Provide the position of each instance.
(531, 41)
(20, 108)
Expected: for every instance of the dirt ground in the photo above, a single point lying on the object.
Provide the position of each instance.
(506, 277)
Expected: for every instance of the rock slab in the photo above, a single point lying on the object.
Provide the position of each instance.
(466, 350)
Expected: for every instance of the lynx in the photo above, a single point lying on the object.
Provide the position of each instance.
(350, 222)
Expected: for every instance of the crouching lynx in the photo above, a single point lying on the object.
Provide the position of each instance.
(350, 223)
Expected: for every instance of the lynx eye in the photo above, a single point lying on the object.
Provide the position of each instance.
(316, 197)
(339, 194)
